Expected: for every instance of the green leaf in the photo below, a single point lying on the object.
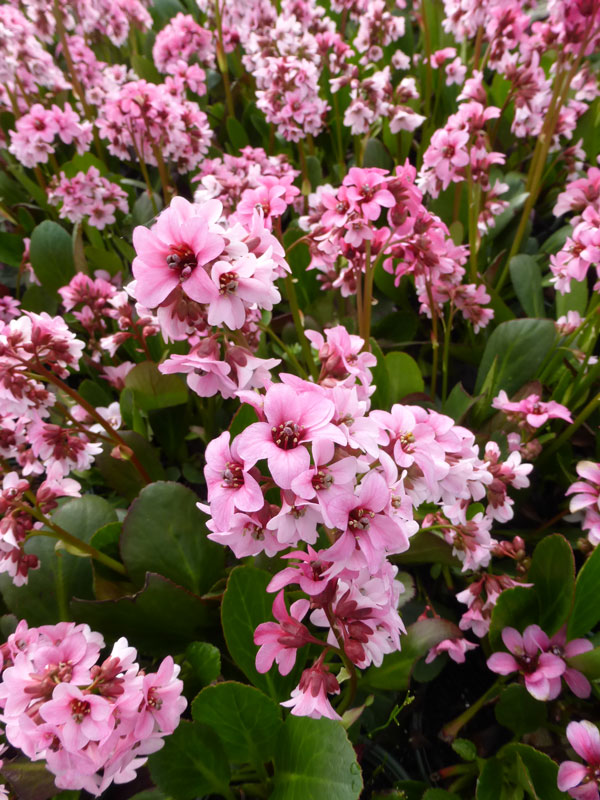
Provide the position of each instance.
(526, 278)
(192, 763)
(236, 133)
(61, 575)
(99, 258)
(152, 389)
(243, 417)
(404, 376)
(376, 155)
(165, 532)
(51, 255)
(586, 608)
(11, 249)
(160, 619)
(575, 300)
(490, 782)
(552, 572)
(420, 637)
(542, 769)
(315, 173)
(519, 346)
(247, 721)
(425, 548)
(145, 68)
(465, 749)
(314, 760)
(205, 661)
(458, 403)
(120, 474)
(143, 210)
(588, 663)
(246, 604)
(515, 608)
(440, 794)
(518, 711)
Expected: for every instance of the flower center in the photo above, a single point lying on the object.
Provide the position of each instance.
(287, 435)
(233, 476)
(153, 701)
(182, 257)
(228, 283)
(79, 710)
(360, 519)
(322, 480)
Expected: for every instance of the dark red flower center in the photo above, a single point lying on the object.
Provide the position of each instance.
(80, 709)
(228, 283)
(287, 435)
(233, 476)
(182, 258)
(360, 519)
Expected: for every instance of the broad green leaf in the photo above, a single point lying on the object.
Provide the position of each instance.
(519, 347)
(490, 782)
(588, 663)
(99, 258)
(11, 249)
(246, 720)
(518, 711)
(586, 608)
(526, 278)
(541, 768)
(61, 575)
(439, 794)
(465, 748)
(314, 760)
(120, 474)
(426, 547)
(205, 661)
(161, 619)
(315, 173)
(145, 68)
(552, 573)
(376, 155)
(515, 608)
(236, 133)
(51, 255)
(420, 637)
(165, 532)
(152, 389)
(243, 417)
(404, 376)
(458, 403)
(246, 604)
(28, 780)
(575, 300)
(191, 764)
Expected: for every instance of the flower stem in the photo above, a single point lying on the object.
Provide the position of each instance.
(367, 296)
(222, 62)
(450, 731)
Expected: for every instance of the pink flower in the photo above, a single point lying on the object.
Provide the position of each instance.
(292, 421)
(580, 781)
(575, 680)
(162, 704)
(280, 640)
(309, 698)
(175, 250)
(456, 648)
(81, 717)
(530, 655)
(531, 409)
(230, 486)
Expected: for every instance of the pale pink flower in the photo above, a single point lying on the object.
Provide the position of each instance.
(280, 640)
(581, 781)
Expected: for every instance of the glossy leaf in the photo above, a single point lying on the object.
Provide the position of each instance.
(164, 532)
(552, 573)
(152, 389)
(518, 711)
(588, 663)
(518, 346)
(541, 769)
(205, 661)
(586, 608)
(191, 764)
(161, 618)
(314, 759)
(246, 720)
(515, 608)
(526, 278)
(51, 255)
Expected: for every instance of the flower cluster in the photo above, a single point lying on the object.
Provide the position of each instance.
(88, 195)
(587, 498)
(93, 723)
(359, 477)
(33, 139)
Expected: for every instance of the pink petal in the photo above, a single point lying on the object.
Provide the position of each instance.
(502, 663)
(286, 464)
(534, 639)
(570, 774)
(251, 442)
(577, 683)
(551, 666)
(584, 738)
(513, 641)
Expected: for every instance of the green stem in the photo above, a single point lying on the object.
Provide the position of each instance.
(434, 340)
(306, 185)
(428, 67)
(450, 731)
(297, 365)
(295, 309)
(56, 532)
(222, 62)
(446, 353)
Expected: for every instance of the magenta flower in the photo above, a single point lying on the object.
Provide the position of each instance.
(293, 420)
(280, 640)
(82, 717)
(175, 250)
(529, 654)
(309, 698)
(581, 781)
(575, 680)
(531, 409)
